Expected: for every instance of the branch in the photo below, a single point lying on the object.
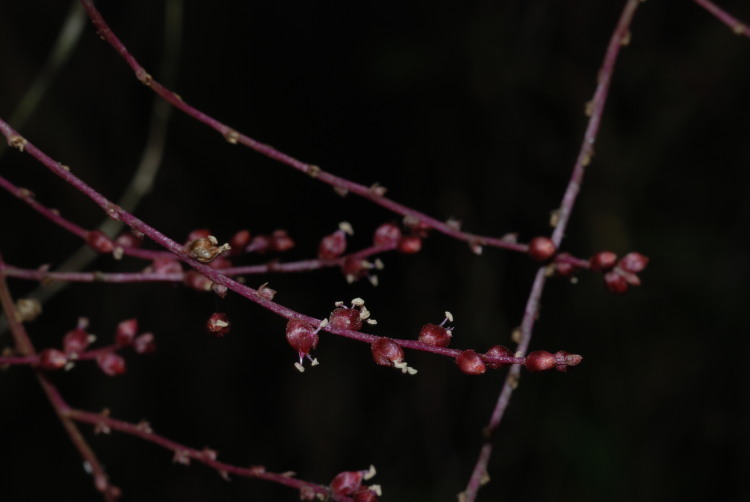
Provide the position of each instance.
(737, 26)
(619, 37)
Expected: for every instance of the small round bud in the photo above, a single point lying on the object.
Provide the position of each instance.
(562, 267)
(633, 262)
(332, 246)
(111, 364)
(218, 324)
(616, 283)
(239, 241)
(498, 351)
(354, 268)
(365, 494)
(410, 244)
(387, 234)
(540, 360)
(144, 343)
(75, 341)
(541, 249)
(470, 363)
(99, 242)
(195, 280)
(604, 260)
(302, 336)
(386, 352)
(437, 336)
(345, 318)
(126, 331)
(52, 359)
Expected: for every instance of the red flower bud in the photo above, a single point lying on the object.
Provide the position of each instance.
(616, 283)
(280, 241)
(541, 249)
(633, 262)
(345, 318)
(470, 363)
(126, 331)
(302, 336)
(387, 234)
(144, 343)
(239, 241)
(386, 352)
(346, 483)
(99, 242)
(540, 360)
(111, 364)
(128, 240)
(410, 244)
(604, 260)
(332, 246)
(435, 335)
(75, 341)
(52, 359)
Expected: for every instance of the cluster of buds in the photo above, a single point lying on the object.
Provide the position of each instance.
(620, 274)
(76, 342)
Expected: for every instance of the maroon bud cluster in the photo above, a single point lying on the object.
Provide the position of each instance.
(99, 242)
(619, 275)
(542, 249)
(541, 360)
(218, 324)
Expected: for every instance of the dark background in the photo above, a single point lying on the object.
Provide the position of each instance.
(472, 110)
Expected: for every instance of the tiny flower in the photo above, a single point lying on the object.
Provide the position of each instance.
(332, 246)
(195, 280)
(346, 483)
(437, 335)
(386, 352)
(280, 241)
(218, 324)
(616, 283)
(239, 241)
(164, 265)
(128, 240)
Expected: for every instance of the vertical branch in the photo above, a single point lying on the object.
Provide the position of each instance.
(25, 347)
(620, 37)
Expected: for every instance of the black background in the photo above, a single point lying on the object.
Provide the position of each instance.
(472, 110)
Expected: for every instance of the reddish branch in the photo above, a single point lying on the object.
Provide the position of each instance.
(620, 37)
(735, 24)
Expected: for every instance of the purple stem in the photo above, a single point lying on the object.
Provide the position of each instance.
(735, 24)
(232, 136)
(618, 38)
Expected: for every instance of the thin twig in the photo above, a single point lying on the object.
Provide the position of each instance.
(619, 37)
(737, 26)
